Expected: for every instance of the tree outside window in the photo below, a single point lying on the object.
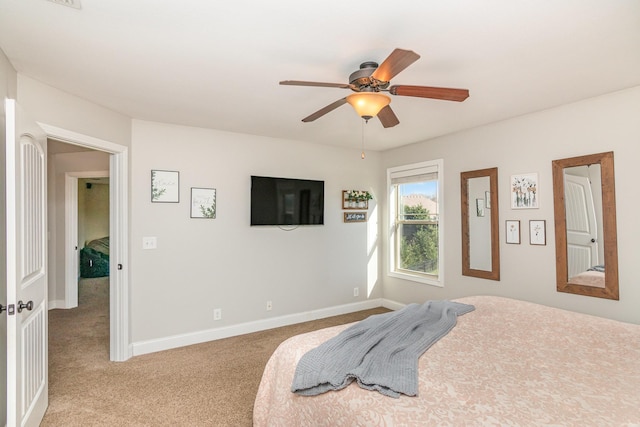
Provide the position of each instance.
(419, 240)
(416, 210)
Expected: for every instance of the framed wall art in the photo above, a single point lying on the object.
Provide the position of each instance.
(165, 186)
(355, 199)
(537, 232)
(203, 203)
(479, 207)
(524, 191)
(513, 231)
(355, 216)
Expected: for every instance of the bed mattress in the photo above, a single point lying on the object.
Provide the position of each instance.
(508, 363)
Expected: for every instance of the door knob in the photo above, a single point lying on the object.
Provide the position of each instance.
(22, 306)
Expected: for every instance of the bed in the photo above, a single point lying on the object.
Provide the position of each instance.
(594, 277)
(94, 258)
(506, 363)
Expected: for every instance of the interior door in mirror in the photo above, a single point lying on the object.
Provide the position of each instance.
(585, 225)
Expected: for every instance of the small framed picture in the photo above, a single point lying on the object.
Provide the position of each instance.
(524, 191)
(355, 216)
(479, 207)
(355, 199)
(203, 203)
(513, 231)
(165, 186)
(537, 232)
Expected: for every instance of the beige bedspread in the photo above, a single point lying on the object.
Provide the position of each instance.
(508, 363)
(589, 278)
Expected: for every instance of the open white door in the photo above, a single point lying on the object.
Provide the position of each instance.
(27, 384)
(582, 233)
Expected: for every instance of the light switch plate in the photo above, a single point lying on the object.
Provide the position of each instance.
(149, 242)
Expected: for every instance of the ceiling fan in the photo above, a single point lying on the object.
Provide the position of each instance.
(371, 79)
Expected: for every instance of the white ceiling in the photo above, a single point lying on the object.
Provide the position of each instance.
(217, 64)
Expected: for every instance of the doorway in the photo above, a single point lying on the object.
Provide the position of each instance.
(80, 186)
(119, 342)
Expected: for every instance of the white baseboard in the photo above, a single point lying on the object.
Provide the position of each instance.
(175, 341)
(60, 303)
(392, 305)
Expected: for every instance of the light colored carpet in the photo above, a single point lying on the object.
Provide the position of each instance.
(209, 384)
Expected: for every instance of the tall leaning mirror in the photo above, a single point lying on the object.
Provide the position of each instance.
(480, 242)
(585, 225)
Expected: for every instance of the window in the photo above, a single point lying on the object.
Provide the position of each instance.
(416, 212)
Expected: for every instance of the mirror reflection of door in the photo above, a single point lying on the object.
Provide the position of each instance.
(479, 224)
(580, 264)
(583, 209)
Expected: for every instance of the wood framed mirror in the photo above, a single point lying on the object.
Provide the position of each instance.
(585, 225)
(480, 235)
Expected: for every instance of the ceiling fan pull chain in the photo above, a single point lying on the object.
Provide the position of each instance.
(363, 123)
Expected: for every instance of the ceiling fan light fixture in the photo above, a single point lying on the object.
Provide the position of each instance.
(368, 104)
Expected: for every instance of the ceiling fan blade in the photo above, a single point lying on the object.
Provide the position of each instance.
(387, 117)
(321, 112)
(317, 84)
(396, 62)
(447, 94)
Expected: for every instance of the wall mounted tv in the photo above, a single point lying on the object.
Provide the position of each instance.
(286, 201)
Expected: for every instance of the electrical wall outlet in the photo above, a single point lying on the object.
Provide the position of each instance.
(356, 292)
(217, 314)
(269, 305)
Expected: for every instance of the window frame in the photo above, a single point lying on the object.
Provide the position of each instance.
(415, 169)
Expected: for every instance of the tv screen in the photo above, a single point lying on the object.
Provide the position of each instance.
(286, 201)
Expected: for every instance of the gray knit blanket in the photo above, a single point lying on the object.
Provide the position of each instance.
(380, 353)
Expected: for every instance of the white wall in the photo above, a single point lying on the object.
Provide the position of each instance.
(223, 263)
(523, 145)
(54, 107)
(174, 291)
(93, 211)
(203, 264)
(57, 108)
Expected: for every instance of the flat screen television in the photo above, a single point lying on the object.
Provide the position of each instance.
(286, 201)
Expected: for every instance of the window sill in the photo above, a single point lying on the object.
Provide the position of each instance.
(417, 278)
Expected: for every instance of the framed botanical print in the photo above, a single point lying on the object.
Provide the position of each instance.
(537, 232)
(524, 191)
(165, 186)
(513, 231)
(203, 203)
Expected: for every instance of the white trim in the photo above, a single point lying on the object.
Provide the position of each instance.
(417, 278)
(11, 198)
(11, 260)
(175, 341)
(392, 305)
(59, 303)
(120, 347)
(64, 135)
(71, 241)
(120, 341)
